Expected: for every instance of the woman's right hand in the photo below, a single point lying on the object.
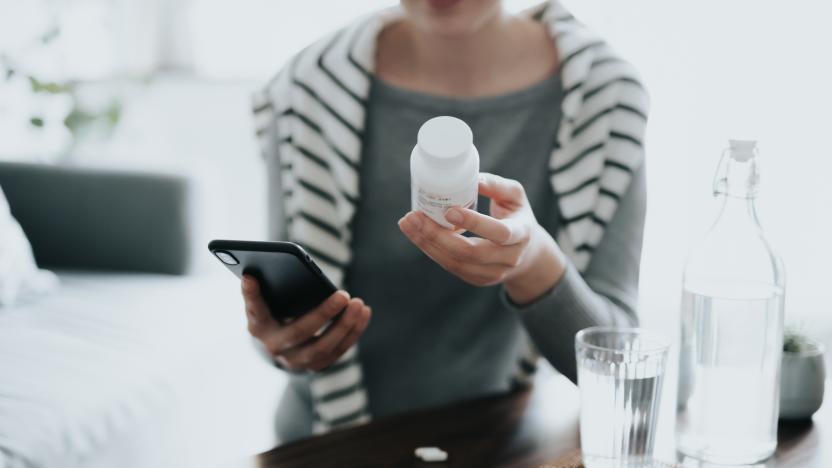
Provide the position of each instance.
(295, 345)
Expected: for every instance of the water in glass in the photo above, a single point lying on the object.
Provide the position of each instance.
(620, 374)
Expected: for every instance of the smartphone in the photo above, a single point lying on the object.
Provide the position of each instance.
(290, 281)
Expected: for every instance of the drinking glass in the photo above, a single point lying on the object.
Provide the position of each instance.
(620, 374)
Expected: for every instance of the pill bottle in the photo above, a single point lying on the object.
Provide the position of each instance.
(444, 168)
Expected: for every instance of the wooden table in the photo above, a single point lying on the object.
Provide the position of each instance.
(528, 428)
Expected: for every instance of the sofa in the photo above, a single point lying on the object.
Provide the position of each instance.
(139, 358)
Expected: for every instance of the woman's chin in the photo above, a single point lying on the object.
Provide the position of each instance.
(443, 4)
(452, 17)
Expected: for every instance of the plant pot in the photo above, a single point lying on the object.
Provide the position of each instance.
(802, 380)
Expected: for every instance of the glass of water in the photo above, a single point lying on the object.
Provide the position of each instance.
(620, 373)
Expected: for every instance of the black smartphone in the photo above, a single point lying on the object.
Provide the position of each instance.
(290, 281)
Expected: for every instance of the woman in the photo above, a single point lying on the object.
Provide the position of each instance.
(558, 120)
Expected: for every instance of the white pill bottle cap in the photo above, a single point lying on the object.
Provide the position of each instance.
(444, 157)
(444, 168)
(445, 140)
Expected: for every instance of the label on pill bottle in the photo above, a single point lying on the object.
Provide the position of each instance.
(434, 205)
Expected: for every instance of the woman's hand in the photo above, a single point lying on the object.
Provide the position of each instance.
(513, 249)
(297, 345)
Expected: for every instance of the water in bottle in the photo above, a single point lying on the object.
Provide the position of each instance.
(732, 327)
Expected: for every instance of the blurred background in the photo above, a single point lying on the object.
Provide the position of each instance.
(164, 85)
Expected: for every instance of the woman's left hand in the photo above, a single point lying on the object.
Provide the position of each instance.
(513, 249)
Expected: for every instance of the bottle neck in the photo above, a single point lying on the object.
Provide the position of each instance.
(736, 182)
(738, 214)
(737, 175)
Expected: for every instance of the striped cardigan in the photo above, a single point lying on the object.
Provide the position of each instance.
(310, 120)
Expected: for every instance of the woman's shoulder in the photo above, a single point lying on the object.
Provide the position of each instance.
(594, 75)
(603, 73)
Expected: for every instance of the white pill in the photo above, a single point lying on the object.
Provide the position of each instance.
(431, 454)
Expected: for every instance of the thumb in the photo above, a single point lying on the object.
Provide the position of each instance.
(503, 191)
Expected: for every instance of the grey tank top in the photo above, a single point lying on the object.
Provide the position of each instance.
(433, 338)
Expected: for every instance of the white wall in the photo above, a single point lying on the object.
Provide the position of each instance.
(720, 69)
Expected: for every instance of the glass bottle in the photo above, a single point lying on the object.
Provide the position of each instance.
(732, 327)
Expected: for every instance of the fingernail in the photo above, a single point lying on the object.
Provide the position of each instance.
(252, 316)
(344, 298)
(414, 221)
(454, 217)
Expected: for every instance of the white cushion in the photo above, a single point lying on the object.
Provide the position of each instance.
(20, 277)
(118, 359)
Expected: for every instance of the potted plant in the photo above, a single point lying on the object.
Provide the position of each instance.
(802, 376)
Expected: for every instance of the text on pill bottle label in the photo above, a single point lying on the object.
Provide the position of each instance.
(434, 205)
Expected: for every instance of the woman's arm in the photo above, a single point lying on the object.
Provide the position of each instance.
(606, 294)
(554, 300)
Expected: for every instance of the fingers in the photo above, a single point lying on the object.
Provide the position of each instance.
(357, 316)
(477, 261)
(307, 325)
(321, 352)
(474, 273)
(456, 246)
(421, 229)
(259, 316)
(353, 336)
(278, 338)
(295, 345)
(501, 231)
(504, 191)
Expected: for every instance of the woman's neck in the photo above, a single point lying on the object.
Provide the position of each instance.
(459, 56)
(502, 55)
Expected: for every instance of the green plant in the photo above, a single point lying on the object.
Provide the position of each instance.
(79, 118)
(795, 341)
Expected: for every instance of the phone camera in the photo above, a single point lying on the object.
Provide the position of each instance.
(226, 257)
